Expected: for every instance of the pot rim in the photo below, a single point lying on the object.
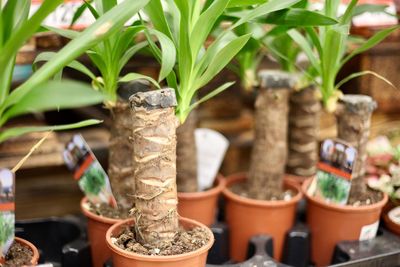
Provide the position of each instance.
(136, 256)
(26, 243)
(221, 183)
(340, 208)
(94, 216)
(238, 177)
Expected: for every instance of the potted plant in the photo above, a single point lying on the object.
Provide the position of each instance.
(304, 107)
(261, 194)
(332, 223)
(110, 57)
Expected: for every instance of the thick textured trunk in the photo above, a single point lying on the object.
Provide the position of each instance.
(154, 149)
(120, 165)
(186, 162)
(269, 153)
(353, 123)
(304, 117)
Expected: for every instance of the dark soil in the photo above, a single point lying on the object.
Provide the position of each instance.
(184, 242)
(242, 190)
(109, 212)
(18, 256)
(369, 198)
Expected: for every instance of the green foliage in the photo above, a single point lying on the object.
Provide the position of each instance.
(333, 188)
(326, 47)
(275, 40)
(16, 28)
(6, 228)
(93, 181)
(111, 54)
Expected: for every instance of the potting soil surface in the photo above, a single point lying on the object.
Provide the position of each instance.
(368, 198)
(109, 212)
(242, 190)
(184, 242)
(18, 256)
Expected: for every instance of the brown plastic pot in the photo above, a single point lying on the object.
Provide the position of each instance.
(25, 243)
(248, 217)
(201, 206)
(122, 258)
(97, 227)
(331, 223)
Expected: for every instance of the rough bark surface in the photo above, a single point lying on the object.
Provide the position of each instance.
(186, 155)
(269, 152)
(154, 159)
(354, 123)
(120, 167)
(304, 117)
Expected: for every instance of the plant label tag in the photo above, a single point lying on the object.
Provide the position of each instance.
(369, 231)
(333, 180)
(7, 209)
(86, 169)
(211, 149)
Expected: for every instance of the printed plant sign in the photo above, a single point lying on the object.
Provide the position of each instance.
(7, 207)
(91, 177)
(335, 168)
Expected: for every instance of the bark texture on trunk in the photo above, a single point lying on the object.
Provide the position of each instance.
(304, 117)
(120, 164)
(354, 123)
(269, 152)
(120, 167)
(186, 155)
(154, 159)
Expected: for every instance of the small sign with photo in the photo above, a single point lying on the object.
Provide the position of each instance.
(7, 210)
(333, 180)
(91, 177)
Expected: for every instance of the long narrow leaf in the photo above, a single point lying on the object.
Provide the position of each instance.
(362, 73)
(136, 76)
(18, 131)
(210, 95)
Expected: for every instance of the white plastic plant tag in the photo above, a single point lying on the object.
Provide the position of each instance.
(369, 231)
(91, 177)
(211, 149)
(7, 208)
(394, 215)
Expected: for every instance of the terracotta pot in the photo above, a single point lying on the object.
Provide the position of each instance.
(299, 180)
(201, 206)
(248, 217)
(25, 243)
(122, 258)
(97, 227)
(331, 223)
(392, 226)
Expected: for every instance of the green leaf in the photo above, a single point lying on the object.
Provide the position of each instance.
(244, 3)
(298, 17)
(47, 56)
(154, 11)
(264, 9)
(128, 54)
(18, 131)
(136, 76)
(93, 10)
(70, 34)
(348, 14)
(78, 13)
(204, 25)
(54, 95)
(360, 9)
(371, 42)
(307, 49)
(362, 73)
(222, 58)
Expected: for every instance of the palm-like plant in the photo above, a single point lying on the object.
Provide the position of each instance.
(110, 57)
(326, 48)
(37, 94)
